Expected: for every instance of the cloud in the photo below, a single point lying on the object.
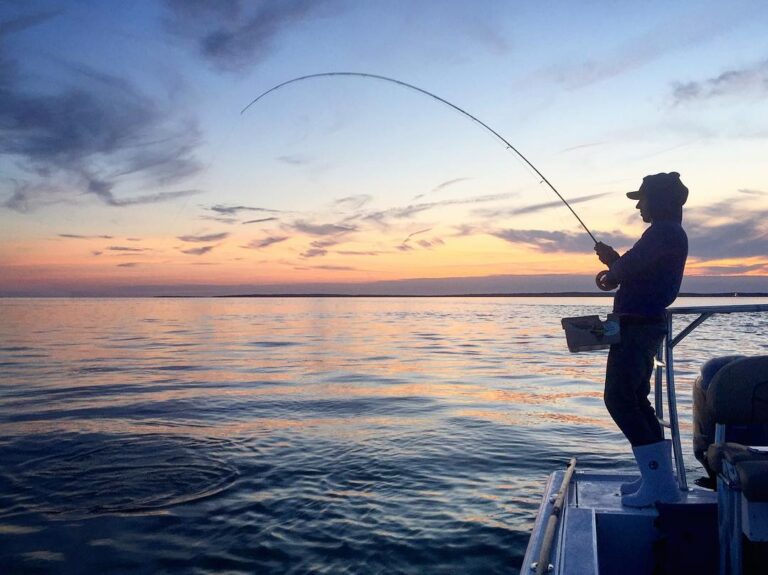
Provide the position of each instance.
(354, 202)
(314, 252)
(265, 242)
(580, 147)
(405, 246)
(540, 207)
(361, 253)
(103, 191)
(448, 183)
(406, 212)
(294, 160)
(430, 243)
(645, 47)
(740, 82)
(727, 229)
(235, 34)
(321, 229)
(234, 210)
(81, 237)
(96, 134)
(735, 269)
(128, 265)
(198, 251)
(221, 220)
(204, 238)
(558, 241)
(260, 221)
(753, 192)
(127, 249)
(96, 253)
(328, 267)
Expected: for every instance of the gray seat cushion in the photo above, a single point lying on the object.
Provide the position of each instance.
(751, 467)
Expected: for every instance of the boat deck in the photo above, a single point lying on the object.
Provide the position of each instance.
(601, 493)
(597, 534)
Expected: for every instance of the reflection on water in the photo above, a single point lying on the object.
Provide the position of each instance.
(299, 435)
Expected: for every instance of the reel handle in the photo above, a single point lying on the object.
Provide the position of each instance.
(601, 282)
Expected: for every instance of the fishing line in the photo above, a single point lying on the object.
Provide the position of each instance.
(439, 99)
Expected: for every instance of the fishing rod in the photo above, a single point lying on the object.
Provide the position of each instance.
(600, 279)
(439, 99)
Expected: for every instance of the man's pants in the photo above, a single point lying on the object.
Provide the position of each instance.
(627, 382)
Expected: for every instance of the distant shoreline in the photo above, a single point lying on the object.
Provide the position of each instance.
(572, 294)
(522, 294)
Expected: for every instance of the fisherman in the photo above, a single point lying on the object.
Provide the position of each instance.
(648, 277)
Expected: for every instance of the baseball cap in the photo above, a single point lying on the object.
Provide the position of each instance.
(663, 185)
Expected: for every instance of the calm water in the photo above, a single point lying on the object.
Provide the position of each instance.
(299, 435)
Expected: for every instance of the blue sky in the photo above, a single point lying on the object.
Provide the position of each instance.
(125, 159)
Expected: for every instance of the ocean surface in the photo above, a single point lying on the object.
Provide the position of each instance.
(308, 435)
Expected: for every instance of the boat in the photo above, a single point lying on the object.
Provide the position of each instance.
(582, 528)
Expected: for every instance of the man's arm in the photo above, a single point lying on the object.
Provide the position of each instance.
(644, 254)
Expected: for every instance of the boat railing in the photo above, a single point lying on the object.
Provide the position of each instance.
(543, 565)
(665, 370)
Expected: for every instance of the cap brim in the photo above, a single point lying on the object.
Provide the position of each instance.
(635, 195)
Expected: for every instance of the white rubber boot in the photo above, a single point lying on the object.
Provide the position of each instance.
(658, 479)
(632, 486)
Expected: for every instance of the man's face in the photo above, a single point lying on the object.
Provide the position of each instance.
(642, 205)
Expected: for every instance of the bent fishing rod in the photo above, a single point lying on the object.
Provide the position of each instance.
(439, 99)
(599, 280)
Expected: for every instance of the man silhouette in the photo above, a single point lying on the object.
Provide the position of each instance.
(648, 277)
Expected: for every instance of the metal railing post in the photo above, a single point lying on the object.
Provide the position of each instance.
(674, 423)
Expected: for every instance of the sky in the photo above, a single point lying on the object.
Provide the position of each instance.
(127, 167)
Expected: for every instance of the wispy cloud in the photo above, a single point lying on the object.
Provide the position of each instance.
(558, 241)
(416, 233)
(198, 251)
(314, 252)
(448, 183)
(328, 268)
(411, 210)
(234, 210)
(634, 52)
(103, 190)
(127, 249)
(361, 252)
(322, 229)
(752, 80)
(96, 134)
(533, 208)
(204, 238)
(82, 237)
(580, 147)
(353, 202)
(442, 186)
(128, 265)
(235, 34)
(260, 221)
(728, 229)
(294, 160)
(406, 246)
(732, 269)
(265, 242)
(753, 192)
(220, 219)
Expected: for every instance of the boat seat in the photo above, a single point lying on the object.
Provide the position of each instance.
(751, 467)
(738, 396)
(704, 420)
